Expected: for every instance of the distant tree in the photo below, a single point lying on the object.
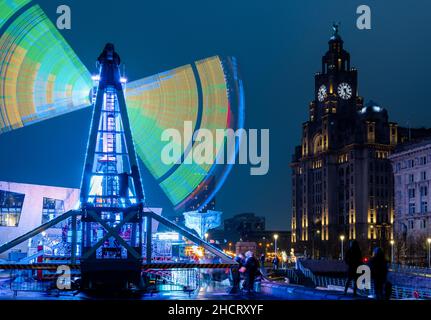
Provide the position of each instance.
(420, 249)
(401, 249)
(415, 249)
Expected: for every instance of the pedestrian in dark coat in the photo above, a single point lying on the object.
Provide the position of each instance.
(275, 263)
(262, 264)
(235, 273)
(251, 269)
(262, 259)
(379, 272)
(353, 259)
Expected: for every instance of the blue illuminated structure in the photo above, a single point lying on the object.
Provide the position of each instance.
(201, 222)
(112, 196)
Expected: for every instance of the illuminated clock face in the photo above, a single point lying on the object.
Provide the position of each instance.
(322, 93)
(345, 91)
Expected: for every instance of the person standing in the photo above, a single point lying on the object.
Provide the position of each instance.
(262, 264)
(379, 272)
(353, 259)
(251, 268)
(235, 273)
(275, 262)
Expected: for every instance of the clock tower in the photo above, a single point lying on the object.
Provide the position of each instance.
(336, 86)
(341, 175)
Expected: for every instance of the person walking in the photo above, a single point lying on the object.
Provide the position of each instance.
(379, 272)
(353, 259)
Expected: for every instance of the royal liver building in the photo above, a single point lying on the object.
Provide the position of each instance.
(342, 184)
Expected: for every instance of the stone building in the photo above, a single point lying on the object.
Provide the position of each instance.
(412, 177)
(342, 182)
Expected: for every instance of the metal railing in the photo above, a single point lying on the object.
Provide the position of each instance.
(26, 280)
(323, 281)
(290, 273)
(305, 271)
(409, 269)
(398, 291)
(187, 280)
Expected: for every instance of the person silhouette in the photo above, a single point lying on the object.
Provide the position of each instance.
(353, 259)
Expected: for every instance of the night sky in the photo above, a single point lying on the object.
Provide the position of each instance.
(278, 44)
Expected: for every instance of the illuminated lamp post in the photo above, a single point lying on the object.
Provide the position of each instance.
(275, 243)
(392, 251)
(342, 246)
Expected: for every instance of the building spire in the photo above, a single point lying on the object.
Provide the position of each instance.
(336, 29)
(336, 58)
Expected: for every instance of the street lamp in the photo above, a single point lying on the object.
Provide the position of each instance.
(206, 236)
(342, 247)
(392, 251)
(429, 252)
(275, 243)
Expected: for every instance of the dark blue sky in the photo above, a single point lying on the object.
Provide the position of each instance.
(278, 44)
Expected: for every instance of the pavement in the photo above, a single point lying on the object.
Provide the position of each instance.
(297, 292)
(269, 291)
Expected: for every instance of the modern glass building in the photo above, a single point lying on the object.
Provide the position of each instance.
(24, 207)
(10, 208)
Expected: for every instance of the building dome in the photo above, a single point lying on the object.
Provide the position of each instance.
(372, 107)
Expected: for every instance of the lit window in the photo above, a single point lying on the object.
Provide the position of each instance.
(52, 208)
(10, 208)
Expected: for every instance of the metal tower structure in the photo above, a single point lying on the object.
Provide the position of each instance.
(112, 197)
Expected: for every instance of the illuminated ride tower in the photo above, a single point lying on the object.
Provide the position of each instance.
(112, 197)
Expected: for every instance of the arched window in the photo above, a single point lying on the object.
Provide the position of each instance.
(317, 144)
